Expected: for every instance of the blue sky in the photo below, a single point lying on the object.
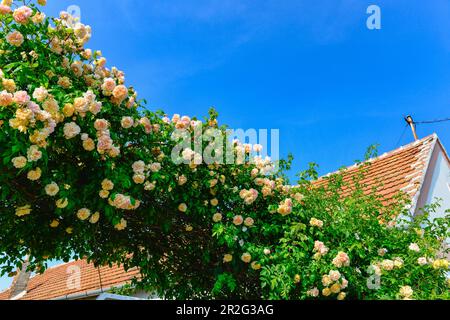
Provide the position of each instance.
(309, 68)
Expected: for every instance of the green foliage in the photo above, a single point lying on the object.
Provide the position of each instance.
(88, 172)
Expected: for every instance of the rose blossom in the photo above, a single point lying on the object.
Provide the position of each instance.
(15, 38)
(71, 130)
(101, 124)
(4, 9)
(21, 97)
(127, 122)
(22, 14)
(40, 94)
(414, 247)
(6, 98)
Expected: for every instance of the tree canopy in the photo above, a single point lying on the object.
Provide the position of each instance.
(88, 171)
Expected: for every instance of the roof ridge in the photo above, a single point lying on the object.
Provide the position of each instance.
(384, 155)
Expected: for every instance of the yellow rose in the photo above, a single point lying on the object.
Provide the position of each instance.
(68, 110)
(54, 224)
(23, 211)
(297, 278)
(246, 257)
(214, 202)
(52, 189)
(217, 217)
(103, 194)
(121, 225)
(19, 162)
(107, 185)
(94, 218)
(89, 144)
(9, 85)
(255, 265)
(189, 228)
(62, 203)
(83, 214)
(182, 207)
(326, 292)
(69, 230)
(336, 288)
(227, 258)
(341, 296)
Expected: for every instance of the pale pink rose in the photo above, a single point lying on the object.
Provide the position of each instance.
(138, 166)
(6, 98)
(120, 92)
(33, 107)
(95, 107)
(21, 97)
(22, 14)
(145, 122)
(127, 122)
(422, 261)
(71, 130)
(341, 260)
(15, 38)
(4, 9)
(40, 94)
(166, 119)
(238, 220)
(109, 84)
(104, 143)
(101, 124)
(335, 275)
(176, 118)
(414, 247)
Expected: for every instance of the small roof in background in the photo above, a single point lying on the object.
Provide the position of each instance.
(59, 282)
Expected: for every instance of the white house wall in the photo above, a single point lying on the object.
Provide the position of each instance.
(440, 183)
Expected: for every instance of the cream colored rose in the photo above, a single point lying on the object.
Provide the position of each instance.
(71, 130)
(83, 214)
(139, 178)
(88, 144)
(94, 218)
(121, 225)
(34, 175)
(227, 258)
(182, 207)
(238, 220)
(19, 162)
(52, 189)
(217, 217)
(23, 211)
(54, 224)
(62, 203)
(246, 257)
(107, 185)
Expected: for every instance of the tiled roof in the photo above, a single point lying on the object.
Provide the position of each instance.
(400, 170)
(60, 282)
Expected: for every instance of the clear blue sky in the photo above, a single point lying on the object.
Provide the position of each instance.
(309, 68)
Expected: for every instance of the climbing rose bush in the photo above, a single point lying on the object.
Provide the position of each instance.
(88, 171)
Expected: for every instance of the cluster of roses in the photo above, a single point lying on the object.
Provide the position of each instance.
(333, 283)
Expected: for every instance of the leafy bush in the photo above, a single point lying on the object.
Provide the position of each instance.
(87, 171)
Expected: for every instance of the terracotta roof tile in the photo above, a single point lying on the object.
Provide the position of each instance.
(400, 170)
(59, 281)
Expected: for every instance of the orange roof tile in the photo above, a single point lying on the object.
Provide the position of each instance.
(400, 170)
(58, 281)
